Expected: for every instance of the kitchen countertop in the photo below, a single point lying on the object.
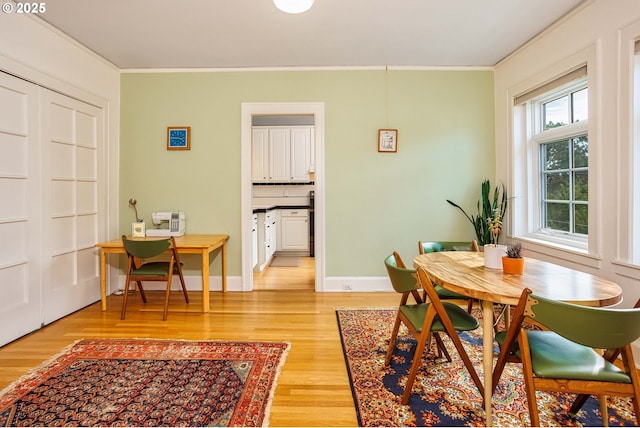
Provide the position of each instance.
(265, 208)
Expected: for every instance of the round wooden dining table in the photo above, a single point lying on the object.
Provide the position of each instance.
(464, 272)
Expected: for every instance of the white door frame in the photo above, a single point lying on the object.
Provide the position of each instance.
(248, 110)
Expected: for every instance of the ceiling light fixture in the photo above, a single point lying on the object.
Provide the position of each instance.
(293, 6)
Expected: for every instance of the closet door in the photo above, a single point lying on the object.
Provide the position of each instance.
(20, 221)
(72, 134)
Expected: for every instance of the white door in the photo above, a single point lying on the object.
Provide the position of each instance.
(19, 214)
(72, 137)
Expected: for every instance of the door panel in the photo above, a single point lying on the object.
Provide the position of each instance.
(71, 137)
(19, 217)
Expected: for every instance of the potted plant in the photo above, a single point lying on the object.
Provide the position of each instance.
(489, 206)
(513, 262)
(493, 252)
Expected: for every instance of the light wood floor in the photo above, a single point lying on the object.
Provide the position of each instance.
(287, 278)
(313, 387)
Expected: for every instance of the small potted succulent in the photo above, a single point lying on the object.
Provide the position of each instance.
(513, 262)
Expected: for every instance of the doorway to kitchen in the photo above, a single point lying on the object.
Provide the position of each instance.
(292, 204)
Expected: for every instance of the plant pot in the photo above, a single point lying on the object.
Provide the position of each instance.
(493, 256)
(513, 266)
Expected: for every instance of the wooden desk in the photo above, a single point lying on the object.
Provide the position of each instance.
(464, 273)
(186, 244)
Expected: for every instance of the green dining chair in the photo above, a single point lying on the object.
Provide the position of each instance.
(140, 268)
(437, 246)
(561, 356)
(424, 319)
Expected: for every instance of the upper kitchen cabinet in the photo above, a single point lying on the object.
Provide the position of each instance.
(282, 154)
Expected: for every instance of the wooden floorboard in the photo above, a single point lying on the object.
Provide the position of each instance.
(313, 387)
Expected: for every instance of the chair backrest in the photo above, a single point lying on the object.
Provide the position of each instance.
(146, 249)
(437, 246)
(402, 279)
(603, 328)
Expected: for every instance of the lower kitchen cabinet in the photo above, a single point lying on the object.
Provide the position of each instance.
(266, 238)
(294, 229)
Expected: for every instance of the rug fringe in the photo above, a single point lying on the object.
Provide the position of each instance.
(34, 371)
(272, 391)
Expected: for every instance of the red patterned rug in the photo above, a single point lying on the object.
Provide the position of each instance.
(443, 392)
(148, 382)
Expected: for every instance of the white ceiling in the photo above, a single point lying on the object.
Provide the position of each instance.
(144, 34)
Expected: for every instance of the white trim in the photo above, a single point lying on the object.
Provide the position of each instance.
(247, 111)
(327, 68)
(524, 156)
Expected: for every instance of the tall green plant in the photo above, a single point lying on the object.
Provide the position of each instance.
(487, 206)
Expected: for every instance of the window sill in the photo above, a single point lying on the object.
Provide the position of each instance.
(557, 252)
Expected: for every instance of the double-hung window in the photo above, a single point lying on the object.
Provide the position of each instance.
(558, 145)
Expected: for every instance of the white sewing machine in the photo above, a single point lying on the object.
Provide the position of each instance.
(167, 223)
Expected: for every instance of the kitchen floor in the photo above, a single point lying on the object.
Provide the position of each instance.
(287, 278)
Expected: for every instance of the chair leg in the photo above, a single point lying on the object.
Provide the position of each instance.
(415, 365)
(470, 306)
(528, 379)
(124, 299)
(392, 341)
(142, 294)
(184, 287)
(602, 399)
(467, 362)
(441, 348)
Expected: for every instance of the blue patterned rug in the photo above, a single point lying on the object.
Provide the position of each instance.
(443, 393)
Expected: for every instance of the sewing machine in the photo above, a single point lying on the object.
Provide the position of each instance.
(167, 223)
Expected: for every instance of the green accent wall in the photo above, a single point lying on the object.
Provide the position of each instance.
(375, 203)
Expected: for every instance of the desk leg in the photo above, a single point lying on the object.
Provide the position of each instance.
(103, 279)
(487, 356)
(224, 267)
(205, 280)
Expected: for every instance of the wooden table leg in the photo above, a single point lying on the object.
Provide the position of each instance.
(487, 356)
(205, 280)
(103, 279)
(224, 267)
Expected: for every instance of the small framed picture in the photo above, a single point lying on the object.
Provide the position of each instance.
(179, 138)
(137, 229)
(388, 140)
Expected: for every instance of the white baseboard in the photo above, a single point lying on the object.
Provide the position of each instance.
(357, 284)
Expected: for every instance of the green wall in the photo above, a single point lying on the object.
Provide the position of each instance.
(375, 202)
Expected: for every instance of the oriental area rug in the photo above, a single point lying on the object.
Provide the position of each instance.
(443, 393)
(148, 382)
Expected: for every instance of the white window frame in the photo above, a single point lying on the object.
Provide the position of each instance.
(528, 123)
(538, 138)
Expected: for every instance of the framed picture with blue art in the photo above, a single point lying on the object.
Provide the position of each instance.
(179, 138)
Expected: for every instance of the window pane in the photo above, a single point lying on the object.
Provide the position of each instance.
(581, 216)
(556, 113)
(580, 105)
(580, 152)
(557, 216)
(556, 155)
(581, 186)
(557, 186)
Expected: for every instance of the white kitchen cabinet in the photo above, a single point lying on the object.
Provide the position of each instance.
(271, 233)
(301, 147)
(254, 241)
(294, 229)
(282, 154)
(260, 155)
(266, 238)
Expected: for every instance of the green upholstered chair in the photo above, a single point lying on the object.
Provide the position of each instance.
(423, 319)
(434, 247)
(561, 356)
(140, 268)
